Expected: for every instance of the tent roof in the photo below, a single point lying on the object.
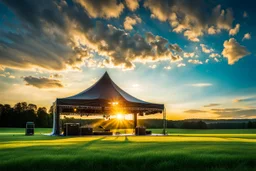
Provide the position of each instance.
(105, 90)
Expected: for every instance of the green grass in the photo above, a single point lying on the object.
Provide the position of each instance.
(181, 150)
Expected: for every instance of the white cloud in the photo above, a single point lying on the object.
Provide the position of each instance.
(205, 49)
(130, 22)
(235, 30)
(216, 59)
(153, 66)
(206, 61)
(167, 67)
(247, 36)
(181, 65)
(132, 4)
(233, 51)
(189, 55)
(214, 55)
(195, 61)
(201, 85)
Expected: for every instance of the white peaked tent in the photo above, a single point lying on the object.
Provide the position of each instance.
(106, 98)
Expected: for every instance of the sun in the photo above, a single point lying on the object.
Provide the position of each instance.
(119, 117)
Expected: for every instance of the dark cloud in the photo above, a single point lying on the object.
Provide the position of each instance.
(42, 82)
(234, 112)
(194, 111)
(250, 99)
(212, 105)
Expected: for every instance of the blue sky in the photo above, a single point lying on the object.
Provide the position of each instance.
(196, 57)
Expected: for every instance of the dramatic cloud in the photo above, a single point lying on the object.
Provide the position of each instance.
(233, 51)
(130, 22)
(247, 36)
(235, 30)
(189, 55)
(102, 9)
(205, 49)
(132, 4)
(212, 105)
(195, 61)
(190, 18)
(42, 82)
(201, 85)
(123, 49)
(58, 36)
(44, 39)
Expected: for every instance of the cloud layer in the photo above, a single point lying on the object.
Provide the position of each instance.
(186, 17)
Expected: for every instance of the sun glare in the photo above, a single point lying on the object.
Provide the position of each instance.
(120, 117)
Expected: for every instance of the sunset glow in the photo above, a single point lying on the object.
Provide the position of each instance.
(196, 58)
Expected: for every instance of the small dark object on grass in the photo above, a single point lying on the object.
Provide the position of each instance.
(148, 132)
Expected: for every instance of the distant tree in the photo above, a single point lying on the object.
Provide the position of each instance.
(42, 117)
(249, 125)
(201, 125)
(32, 107)
(194, 125)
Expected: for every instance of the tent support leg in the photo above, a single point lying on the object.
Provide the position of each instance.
(135, 122)
(164, 122)
(56, 120)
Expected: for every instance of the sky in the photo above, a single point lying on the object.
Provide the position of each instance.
(196, 57)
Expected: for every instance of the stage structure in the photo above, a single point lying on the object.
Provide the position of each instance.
(104, 98)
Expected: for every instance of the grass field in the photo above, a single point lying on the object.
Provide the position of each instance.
(180, 150)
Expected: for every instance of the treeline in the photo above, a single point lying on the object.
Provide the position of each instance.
(158, 123)
(20, 113)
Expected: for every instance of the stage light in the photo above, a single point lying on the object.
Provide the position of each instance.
(113, 103)
(75, 109)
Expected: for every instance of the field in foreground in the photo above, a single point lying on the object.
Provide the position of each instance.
(181, 150)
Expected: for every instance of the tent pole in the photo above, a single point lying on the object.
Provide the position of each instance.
(135, 122)
(56, 119)
(164, 122)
